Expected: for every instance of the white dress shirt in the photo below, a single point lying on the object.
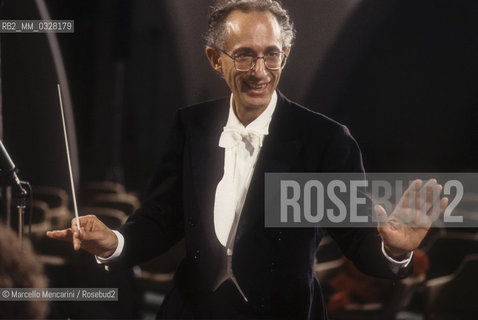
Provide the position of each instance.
(241, 147)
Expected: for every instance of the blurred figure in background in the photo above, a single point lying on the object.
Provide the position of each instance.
(20, 268)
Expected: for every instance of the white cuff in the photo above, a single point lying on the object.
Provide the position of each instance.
(116, 254)
(394, 264)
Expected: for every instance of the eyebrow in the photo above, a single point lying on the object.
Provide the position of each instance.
(250, 50)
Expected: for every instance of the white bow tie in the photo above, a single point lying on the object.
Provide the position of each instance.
(231, 136)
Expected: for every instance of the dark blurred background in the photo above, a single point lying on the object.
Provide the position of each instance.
(402, 75)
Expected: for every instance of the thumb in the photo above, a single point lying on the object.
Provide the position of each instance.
(381, 214)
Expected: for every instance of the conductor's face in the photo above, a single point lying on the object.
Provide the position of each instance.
(252, 81)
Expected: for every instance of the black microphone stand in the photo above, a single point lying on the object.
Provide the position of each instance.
(9, 178)
(6, 199)
(21, 197)
(19, 193)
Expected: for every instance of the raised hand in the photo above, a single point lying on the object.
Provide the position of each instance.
(407, 225)
(94, 236)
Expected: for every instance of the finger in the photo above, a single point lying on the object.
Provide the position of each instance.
(422, 220)
(415, 201)
(76, 241)
(424, 199)
(433, 202)
(381, 215)
(439, 205)
(420, 215)
(408, 197)
(74, 225)
(91, 235)
(91, 222)
(87, 222)
(443, 204)
(64, 235)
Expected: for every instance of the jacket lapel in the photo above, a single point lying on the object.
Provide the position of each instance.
(207, 158)
(279, 154)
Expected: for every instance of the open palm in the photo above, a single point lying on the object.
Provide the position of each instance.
(407, 225)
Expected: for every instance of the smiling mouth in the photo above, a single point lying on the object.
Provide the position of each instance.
(257, 87)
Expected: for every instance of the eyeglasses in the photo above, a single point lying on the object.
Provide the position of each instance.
(245, 62)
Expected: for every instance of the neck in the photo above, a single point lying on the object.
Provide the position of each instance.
(247, 115)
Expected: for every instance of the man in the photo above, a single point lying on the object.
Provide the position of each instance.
(209, 188)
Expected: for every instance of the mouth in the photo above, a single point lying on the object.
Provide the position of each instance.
(256, 89)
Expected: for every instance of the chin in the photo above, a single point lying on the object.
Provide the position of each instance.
(258, 102)
(257, 105)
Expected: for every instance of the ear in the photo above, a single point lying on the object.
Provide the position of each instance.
(213, 57)
(287, 53)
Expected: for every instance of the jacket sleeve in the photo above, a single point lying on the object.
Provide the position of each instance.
(361, 245)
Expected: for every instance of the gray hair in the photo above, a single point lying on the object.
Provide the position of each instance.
(216, 34)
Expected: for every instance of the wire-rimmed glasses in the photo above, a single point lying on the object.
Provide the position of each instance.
(244, 61)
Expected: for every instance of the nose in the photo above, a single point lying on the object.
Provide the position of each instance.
(259, 69)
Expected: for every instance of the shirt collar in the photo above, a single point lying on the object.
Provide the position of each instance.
(261, 123)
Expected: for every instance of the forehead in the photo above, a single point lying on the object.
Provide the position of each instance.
(256, 30)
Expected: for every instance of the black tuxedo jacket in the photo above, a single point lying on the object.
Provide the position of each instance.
(273, 266)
